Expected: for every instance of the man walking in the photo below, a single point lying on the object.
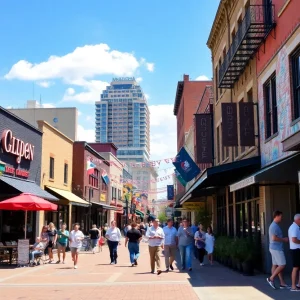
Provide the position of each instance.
(133, 239)
(276, 249)
(294, 238)
(155, 235)
(170, 244)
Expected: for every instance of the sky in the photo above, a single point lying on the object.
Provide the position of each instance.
(66, 52)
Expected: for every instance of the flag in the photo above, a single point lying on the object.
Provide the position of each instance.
(90, 167)
(179, 178)
(105, 177)
(185, 165)
(170, 192)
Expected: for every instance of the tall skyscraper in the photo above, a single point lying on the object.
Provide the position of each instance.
(122, 118)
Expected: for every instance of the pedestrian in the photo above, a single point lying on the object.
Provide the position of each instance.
(62, 242)
(294, 238)
(170, 244)
(155, 235)
(94, 236)
(133, 239)
(195, 250)
(113, 236)
(52, 233)
(186, 243)
(200, 237)
(276, 240)
(76, 237)
(209, 244)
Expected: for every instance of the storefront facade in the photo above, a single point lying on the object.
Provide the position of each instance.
(56, 176)
(21, 148)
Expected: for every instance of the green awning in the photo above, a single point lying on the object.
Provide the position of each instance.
(139, 213)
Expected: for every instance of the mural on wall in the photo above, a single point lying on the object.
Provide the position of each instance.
(272, 150)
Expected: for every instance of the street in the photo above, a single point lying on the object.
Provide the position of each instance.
(96, 279)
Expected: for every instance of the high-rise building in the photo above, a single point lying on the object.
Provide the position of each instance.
(122, 118)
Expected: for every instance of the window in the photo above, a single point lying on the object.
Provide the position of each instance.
(295, 63)
(66, 167)
(218, 145)
(270, 107)
(94, 179)
(217, 82)
(51, 170)
(221, 215)
(220, 64)
(119, 194)
(243, 148)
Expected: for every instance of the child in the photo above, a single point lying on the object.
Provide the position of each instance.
(209, 244)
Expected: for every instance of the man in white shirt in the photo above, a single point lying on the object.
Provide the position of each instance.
(76, 237)
(294, 238)
(155, 235)
(170, 244)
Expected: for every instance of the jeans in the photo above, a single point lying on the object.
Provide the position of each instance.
(33, 253)
(94, 243)
(113, 248)
(134, 251)
(186, 255)
(201, 254)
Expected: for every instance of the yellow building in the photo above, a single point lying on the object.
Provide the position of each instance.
(56, 175)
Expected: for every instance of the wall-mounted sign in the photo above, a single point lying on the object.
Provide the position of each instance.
(204, 138)
(16, 172)
(229, 125)
(192, 205)
(17, 147)
(103, 197)
(247, 134)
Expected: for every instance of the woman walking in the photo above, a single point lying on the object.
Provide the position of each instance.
(52, 233)
(200, 236)
(113, 235)
(185, 243)
(94, 235)
(209, 244)
(62, 242)
(133, 238)
(76, 237)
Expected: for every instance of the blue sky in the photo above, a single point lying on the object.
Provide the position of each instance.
(156, 41)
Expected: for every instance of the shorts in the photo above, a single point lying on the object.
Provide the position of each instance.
(295, 253)
(74, 250)
(61, 246)
(278, 257)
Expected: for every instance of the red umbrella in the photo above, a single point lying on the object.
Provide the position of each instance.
(27, 202)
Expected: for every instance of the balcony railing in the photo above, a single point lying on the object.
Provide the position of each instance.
(258, 22)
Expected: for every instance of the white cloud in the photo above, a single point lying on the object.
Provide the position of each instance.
(139, 79)
(87, 135)
(48, 105)
(150, 67)
(147, 96)
(79, 113)
(202, 78)
(163, 132)
(45, 84)
(80, 68)
(90, 119)
(9, 107)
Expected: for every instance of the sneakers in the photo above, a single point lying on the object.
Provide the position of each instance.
(190, 269)
(75, 267)
(201, 264)
(295, 290)
(135, 262)
(167, 270)
(158, 272)
(58, 262)
(171, 267)
(285, 287)
(271, 283)
(132, 265)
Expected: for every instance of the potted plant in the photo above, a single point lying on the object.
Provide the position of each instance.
(248, 256)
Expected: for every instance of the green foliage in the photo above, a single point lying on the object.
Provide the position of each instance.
(162, 217)
(203, 216)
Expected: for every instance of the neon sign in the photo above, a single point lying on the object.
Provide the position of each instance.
(17, 147)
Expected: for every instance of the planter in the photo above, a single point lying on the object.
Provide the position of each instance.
(248, 268)
(239, 267)
(234, 264)
(229, 262)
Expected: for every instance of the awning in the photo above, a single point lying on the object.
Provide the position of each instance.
(105, 206)
(283, 172)
(139, 213)
(25, 186)
(72, 198)
(221, 176)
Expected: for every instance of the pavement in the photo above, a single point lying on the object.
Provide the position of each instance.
(96, 279)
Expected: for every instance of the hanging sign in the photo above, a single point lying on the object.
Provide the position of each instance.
(229, 125)
(247, 134)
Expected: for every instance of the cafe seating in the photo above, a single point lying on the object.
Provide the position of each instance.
(14, 251)
(4, 255)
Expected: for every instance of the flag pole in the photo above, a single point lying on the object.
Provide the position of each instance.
(25, 223)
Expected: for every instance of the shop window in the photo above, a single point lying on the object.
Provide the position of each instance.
(119, 194)
(270, 107)
(103, 185)
(51, 169)
(94, 179)
(66, 167)
(295, 63)
(218, 145)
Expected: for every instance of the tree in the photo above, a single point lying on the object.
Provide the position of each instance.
(203, 216)
(162, 217)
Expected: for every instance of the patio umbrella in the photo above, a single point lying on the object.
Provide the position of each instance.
(27, 202)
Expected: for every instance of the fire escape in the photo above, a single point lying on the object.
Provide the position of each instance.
(257, 24)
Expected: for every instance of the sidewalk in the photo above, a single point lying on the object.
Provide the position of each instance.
(95, 279)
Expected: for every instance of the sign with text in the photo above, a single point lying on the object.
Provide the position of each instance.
(204, 141)
(229, 125)
(170, 192)
(247, 134)
(23, 252)
(17, 147)
(192, 205)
